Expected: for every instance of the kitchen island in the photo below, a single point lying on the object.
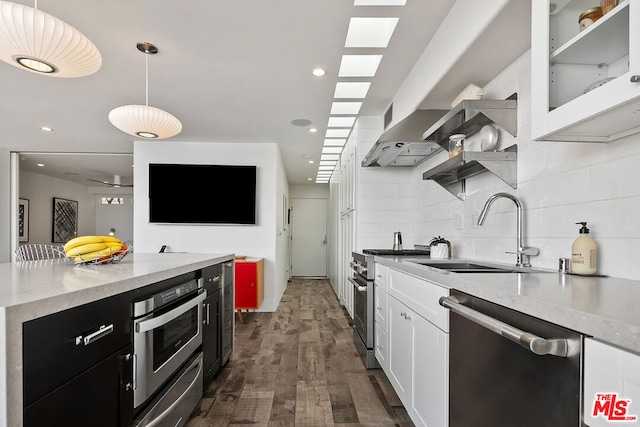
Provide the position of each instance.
(35, 289)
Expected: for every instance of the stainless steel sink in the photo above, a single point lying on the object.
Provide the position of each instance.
(469, 267)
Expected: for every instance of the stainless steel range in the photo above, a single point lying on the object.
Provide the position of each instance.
(362, 279)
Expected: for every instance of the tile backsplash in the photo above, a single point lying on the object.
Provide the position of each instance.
(559, 184)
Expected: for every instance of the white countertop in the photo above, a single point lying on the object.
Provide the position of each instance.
(602, 307)
(34, 289)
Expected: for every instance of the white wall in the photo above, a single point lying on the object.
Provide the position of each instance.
(40, 190)
(558, 183)
(265, 240)
(118, 216)
(5, 208)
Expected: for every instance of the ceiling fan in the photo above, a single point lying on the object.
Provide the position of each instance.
(117, 182)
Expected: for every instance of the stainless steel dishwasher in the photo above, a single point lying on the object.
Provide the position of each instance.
(508, 369)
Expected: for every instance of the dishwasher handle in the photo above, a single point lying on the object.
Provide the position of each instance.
(541, 346)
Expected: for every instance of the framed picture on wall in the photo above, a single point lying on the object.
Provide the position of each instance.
(65, 220)
(23, 220)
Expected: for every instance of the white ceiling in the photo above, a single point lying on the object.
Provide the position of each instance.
(230, 70)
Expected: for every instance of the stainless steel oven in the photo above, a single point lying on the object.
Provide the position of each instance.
(361, 277)
(167, 335)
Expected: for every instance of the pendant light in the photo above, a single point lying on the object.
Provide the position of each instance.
(142, 120)
(41, 43)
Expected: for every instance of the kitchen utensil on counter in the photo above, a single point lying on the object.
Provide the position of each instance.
(440, 248)
(488, 138)
(564, 265)
(397, 241)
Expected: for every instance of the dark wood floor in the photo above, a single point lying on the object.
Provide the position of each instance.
(299, 367)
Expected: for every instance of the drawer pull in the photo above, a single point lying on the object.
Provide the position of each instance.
(213, 279)
(101, 332)
(635, 79)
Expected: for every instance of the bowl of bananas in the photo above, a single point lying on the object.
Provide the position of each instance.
(95, 249)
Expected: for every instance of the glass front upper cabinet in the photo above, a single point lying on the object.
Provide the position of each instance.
(585, 74)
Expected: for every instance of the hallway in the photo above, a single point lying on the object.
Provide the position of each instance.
(299, 367)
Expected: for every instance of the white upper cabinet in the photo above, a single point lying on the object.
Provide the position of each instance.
(585, 84)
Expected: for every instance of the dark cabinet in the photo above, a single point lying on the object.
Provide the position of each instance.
(78, 366)
(211, 333)
(99, 397)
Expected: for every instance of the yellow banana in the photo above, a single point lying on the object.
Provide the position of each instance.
(84, 249)
(108, 239)
(114, 246)
(91, 256)
(81, 240)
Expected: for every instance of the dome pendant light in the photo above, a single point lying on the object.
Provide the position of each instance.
(142, 120)
(43, 44)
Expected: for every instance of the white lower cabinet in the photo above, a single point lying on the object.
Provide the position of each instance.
(418, 348)
(381, 326)
(400, 350)
(430, 362)
(611, 385)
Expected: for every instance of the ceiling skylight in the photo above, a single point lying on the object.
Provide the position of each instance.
(370, 32)
(337, 133)
(335, 142)
(341, 122)
(345, 107)
(331, 150)
(351, 90)
(359, 65)
(379, 2)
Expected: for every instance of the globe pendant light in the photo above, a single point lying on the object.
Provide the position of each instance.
(142, 120)
(41, 43)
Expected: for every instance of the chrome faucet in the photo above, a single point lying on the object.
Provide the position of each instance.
(524, 252)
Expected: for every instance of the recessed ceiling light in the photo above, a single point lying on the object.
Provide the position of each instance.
(318, 72)
(341, 122)
(345, 107)
(46, 129)
(40, 165)
(370, 32)
(313, 130)
(357, 90)
(311, 161)
(359, 65)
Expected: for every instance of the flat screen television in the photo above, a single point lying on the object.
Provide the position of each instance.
(202, 194)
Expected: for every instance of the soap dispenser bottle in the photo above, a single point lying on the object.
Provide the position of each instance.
(584, 252)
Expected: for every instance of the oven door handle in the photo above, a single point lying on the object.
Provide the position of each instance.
(357, 285)
(541, 346)
(155, 322)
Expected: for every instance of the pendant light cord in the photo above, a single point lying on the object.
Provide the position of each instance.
(146, 79)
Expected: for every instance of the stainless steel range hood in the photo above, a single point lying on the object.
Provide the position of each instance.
(403, 144)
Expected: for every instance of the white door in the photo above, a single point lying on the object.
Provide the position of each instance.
(309, 237)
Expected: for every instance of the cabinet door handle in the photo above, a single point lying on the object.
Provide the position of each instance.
(207, 319)
(100, 333)
(635, 78)
(213, 279)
